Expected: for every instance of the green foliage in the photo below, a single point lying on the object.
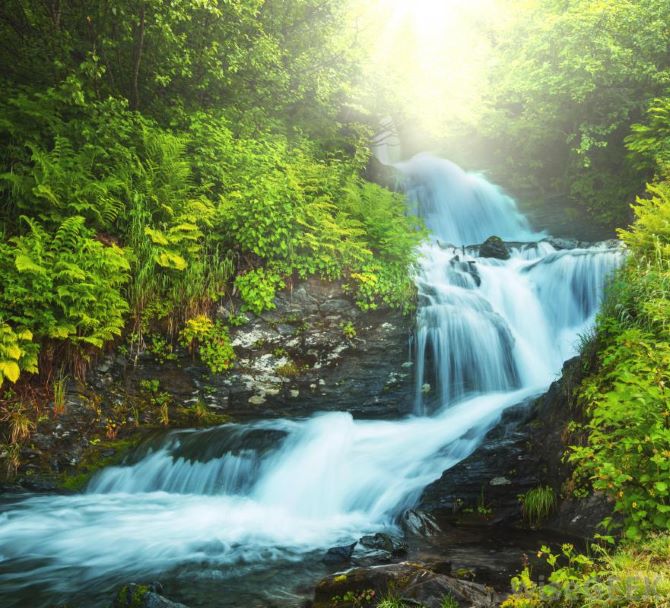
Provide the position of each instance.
(449, 601)
(257, 289)
(163, 157)
(537, 504)
(627, 454)
(348, 330)
(633, 576)
(18, 353)
(210, 339)
(649, 142)
(68, 284)
(568, 81)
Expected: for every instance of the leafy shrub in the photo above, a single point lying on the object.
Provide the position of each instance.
(627, 452)
(68, 284)
(210, 339)
(257, 289)
(633, 576)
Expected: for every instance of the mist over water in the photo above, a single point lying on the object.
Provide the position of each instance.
(490, 334)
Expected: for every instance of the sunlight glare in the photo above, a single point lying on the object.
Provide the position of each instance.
(433, 54)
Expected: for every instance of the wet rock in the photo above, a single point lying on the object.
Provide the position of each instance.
(335, 306)
(339, 555)
(384, 542)
(560, 243)
(143, 596)
(419, 523)
(413, 583)
(494, 247)
(488, 482)
(378, 548)
(291, 361)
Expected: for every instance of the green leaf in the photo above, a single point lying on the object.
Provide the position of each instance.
(10, 370)
(26, 264)
(168, 259)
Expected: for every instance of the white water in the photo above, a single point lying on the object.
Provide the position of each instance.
(490, 335)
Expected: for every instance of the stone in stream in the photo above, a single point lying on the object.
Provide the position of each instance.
(339, 555)
(384, 542)
(143, 596)
(377, 548)
(494, 247)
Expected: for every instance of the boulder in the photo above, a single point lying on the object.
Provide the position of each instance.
(494, 247)
(413, 583)
(378, 548)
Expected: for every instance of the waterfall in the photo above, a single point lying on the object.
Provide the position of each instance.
(461, 208)
(490, 334)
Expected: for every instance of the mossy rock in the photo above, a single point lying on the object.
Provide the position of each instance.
(142, 596)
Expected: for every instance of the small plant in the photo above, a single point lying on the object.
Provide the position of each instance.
(151, 386)
(357, 599)
(112, 429)
(164, 416)
(348, 329)
(160, 348)
(391, 602)
(20, 424)
(288, 370)
(11, 454)
(537, 504)
(257, 288)
(449, 601)
(59, 392)
(237, 320)
(482, 508)
(17, 353)
(210, 339)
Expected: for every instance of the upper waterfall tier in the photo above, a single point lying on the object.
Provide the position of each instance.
(461, 208)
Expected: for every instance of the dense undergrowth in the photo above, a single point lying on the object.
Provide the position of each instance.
(625, 400)
(158, 160)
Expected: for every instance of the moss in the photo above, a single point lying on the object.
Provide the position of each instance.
(94, 459)
(131, 596)
(199, 415)
(288, 370)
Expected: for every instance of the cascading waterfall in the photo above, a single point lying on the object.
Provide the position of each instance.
(486, 324)
(490, 335)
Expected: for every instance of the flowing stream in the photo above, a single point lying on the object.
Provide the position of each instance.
(240, 500)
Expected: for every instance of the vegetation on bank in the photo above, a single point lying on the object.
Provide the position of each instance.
(625, 399)
(158, 159)
(637, 575)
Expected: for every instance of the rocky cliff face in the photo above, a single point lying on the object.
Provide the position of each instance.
(524, 451)
(316, 351)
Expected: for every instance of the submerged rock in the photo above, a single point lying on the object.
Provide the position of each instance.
(494, 247)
